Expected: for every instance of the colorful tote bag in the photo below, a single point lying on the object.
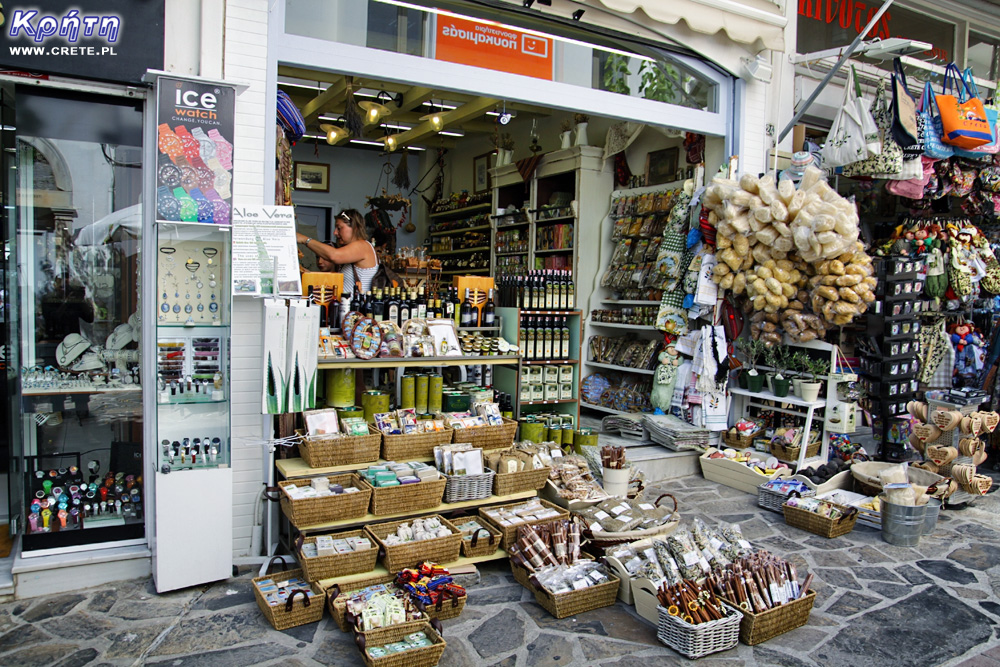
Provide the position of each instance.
(963, 118)
(933, 146)
(993, 147)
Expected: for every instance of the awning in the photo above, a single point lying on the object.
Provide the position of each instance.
(745, 21)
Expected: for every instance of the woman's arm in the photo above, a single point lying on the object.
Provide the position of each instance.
(355, 251)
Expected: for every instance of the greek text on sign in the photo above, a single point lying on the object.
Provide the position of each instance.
(493, 46)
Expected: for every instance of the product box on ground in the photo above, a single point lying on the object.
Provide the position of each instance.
(303, 355)
(695, 641)
(413, 651)
(644, 597)
(275, 353)
(736, 475)
(563, 605)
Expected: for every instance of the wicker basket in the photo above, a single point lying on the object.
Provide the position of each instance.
(510, 532)
(298, 610)
(758, 628)
(488, 437)
(446, 609)
(406, 497)
(414, 445)
(601, 540)
(311, 511)
(791, 452)
(323, 452)
(418, 657)
(562, 605)
(482, 545)
(336, 596)
(460, 488)
(741, 441)
(821, 525)
(774, 501)
(506, 484)
(338, 565)
(695, 641)
(438, 550)
(867, 481)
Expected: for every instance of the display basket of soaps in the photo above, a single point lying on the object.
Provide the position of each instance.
(403, 487)
(518, 469)
(404, 543)
(406, 437)
(320, 499)
(286, 599)
(404, 647)
(329, 442)
(337, 594)
(478, 538)
(337, 555)
(462, 467)
(485, 436)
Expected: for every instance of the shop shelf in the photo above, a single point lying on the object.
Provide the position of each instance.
(618, 302)
(549, 362)
(559, 313)
(616, 325)
(553, 251)
(550, 402)
(94, 390)
(508, 254)
(380, 571)
(297, 468)
(602, 408)
(440, 253)
(443, 508)
(464, 272)
(417, 362)
(223, 228)
(459, 212)
(545, 221)
(768, 396)
(624, 369)
(449, 232)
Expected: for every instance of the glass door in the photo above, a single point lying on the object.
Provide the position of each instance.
(76, 236)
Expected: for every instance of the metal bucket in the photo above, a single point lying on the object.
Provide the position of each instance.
(933, 510)
(902, 524)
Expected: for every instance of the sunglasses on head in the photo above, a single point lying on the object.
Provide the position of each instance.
(344, 217)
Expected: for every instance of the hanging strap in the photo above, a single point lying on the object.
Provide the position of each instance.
(897, 66)
(854, 78)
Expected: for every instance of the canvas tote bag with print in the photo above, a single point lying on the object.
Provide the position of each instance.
(963, 117)
(931, 127)
(890, 160)
(993, 147)
(904, 110)
(847, 143)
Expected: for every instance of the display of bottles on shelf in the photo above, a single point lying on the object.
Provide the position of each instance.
(510, 242)
(538, 290)
(645, 316)
(554, 237)
(472, 262)
(397, 305)
(544, 338)
(512, 264)
(454, 226)
(459, 242)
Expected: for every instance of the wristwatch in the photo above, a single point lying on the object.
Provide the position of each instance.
(220, 213)
(306, 242)
(188, 208)
(205, 209)
(168, 142)
(223, 149)
(189, 144)
(167, 206)
(167, 172)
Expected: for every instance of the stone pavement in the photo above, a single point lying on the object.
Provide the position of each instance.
(937, 604)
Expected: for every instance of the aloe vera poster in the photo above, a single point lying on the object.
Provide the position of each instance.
(265, 257)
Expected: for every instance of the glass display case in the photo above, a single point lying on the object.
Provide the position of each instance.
(192, 346)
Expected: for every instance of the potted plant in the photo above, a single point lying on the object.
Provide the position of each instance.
(505, 152)
(581, 120)
(778, 358)
(818, 369)
(752, 350)
(799, 363)
(566, 135)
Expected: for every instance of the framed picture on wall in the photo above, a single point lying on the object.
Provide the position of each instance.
(312, 176)
(661, 166)
(482, 181)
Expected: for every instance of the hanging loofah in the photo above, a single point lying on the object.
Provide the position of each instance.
(354, 120)
(401, 177)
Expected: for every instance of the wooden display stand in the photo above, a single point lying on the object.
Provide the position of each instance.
(315, 279)
(479, 287)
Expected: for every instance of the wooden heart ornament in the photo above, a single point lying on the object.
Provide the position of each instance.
(968, 446)
(916, 443)
(927, 432)
(981, 484)
(946, 421)
(966, 425)
(929, 466)
(979, 455)
(991, 420)
(976, 423)
(963, 474)
(940, 454)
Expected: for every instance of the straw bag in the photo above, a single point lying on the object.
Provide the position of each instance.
(963, 117)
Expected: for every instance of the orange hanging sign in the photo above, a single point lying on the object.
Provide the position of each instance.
(493, 46)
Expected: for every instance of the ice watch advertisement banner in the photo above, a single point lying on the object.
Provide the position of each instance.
(110, 40)
(194, 141)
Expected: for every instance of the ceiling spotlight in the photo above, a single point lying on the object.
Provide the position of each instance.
(390, 143)
(578, 14)
(435, 119)
(374, 111)
(334, 134)
(505, 118)
(528, 3)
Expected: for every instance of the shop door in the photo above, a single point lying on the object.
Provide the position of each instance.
(11, 435)
(74, 237)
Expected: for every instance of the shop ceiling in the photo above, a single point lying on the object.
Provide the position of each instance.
(322, 98)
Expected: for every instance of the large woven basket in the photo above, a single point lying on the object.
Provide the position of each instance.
(506, 484)
(695, 641)
(791, 452)
(758, 628)
(323, 452)
(311, 511)
(598, 540)
(741, 441)
(480, 544)
(821, 525)
(488, 437)
(461, 488)
(867, 481)
(406, 497)
(510, 532)
(338, 565)
(418, 657)
(336, 596)
(414, 445)
(298, 610)
(772, 500)
(438, 550)
(562, 605)
(447, 608)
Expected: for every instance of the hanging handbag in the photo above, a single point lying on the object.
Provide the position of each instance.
(963, 118)
(931, 128)
(904, 113)
(847, 141)
(993, 147)
(913, 188)
(958, 276)
(890, 160)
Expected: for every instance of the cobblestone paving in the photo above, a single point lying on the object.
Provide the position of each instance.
(936, 604)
